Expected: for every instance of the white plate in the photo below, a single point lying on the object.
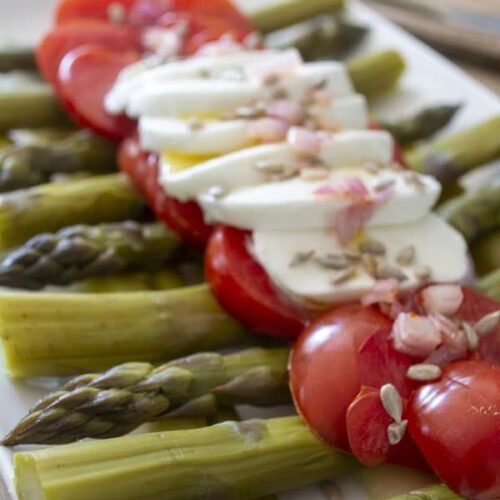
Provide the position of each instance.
(430, 78)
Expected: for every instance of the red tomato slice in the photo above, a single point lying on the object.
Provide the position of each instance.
(186, 219)
(456, 424)
(243, 288)
(85, 76)
(62, 39)
(147, 12)
(325, 372)
(380, 363)
(367, 423)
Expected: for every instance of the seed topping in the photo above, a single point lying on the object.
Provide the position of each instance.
(387, 271)
(487, 324)
(396, 432)
(373, 248)
(391, 401)
(343, 277)
(301, 258)
(406, 256)
(424, 372)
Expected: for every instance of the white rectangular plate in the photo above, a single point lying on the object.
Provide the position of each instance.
(430, 78)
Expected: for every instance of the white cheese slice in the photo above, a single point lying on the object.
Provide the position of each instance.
(293, 203)
(436, 245)
(220, 137)
(148, 71)
(213, 95)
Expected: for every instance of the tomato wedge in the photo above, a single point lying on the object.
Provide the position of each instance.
(243, 288)
(325, 371)
(186, 219)
(456, 424)
(62, 39)
(69, 10)
(85, 76)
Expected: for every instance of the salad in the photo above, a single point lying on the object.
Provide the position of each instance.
(250, 165)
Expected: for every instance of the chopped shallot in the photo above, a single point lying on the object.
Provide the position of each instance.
(267, 130)
(384, 291)
(304, 141)
(225, 45)
(453, 336)
(415, 335)
(287, 110)
(442, 299)
(167, 42)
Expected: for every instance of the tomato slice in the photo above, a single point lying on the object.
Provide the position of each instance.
(456, 424)
(325, 371)
(85, 76)
(243, 288)
(62, 39)
(186, 219)
(143, 13)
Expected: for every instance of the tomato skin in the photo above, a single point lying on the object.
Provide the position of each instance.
(243, 288)
(186, 219)
(85, 76)
(456, 424)
(325, 374)
(69, 10)
(62, 39)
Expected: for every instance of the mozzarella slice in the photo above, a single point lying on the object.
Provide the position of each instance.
(148, 71)
(436, 245)
(294, 203)
(220, 137)
(238, 170)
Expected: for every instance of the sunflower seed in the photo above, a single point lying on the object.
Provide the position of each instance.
(391, 401)
(487, 324)
(280, 94)
(321, 84)
(336, 262)
(352, 255)
(371, 167)
(301, 258)
(406, 256)
(271, 80)
(396, 432)
(424, 372)
(471, 336)
(382, 185)
(312, 174)
(423, 273)
(116, 13)
(386, 271)
(270, 167)
(248, 112)
(343, 277)
(370, 263)
(195, 125)
(372, 247)
(414, 180)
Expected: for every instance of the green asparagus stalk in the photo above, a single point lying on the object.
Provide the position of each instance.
(39, 156)
(272, 15)
(166, 279)
(476, 213)
(490, 285)
(116, 402)
(486, 253)
(449, 158)
(27, 102)
(376, 74)
(423, 124)
(325, 36)
(17, 58)
(80, 252)
(47, 208)
(233, 460)
(433, 492)
(64, 334)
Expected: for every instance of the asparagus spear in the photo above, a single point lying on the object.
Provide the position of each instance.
(474, 214)
(325, 36)
(449, 158)
(15, 58)
(63, 334)
(433, 492)
(80, 252)
(166, 279)
(376, 74)
(233, 460)
(26, 213)
(38, 156)
(490, 285)
(116, 402)
(486, 253)
(26, 101)
(272, 15)
(423, 124)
